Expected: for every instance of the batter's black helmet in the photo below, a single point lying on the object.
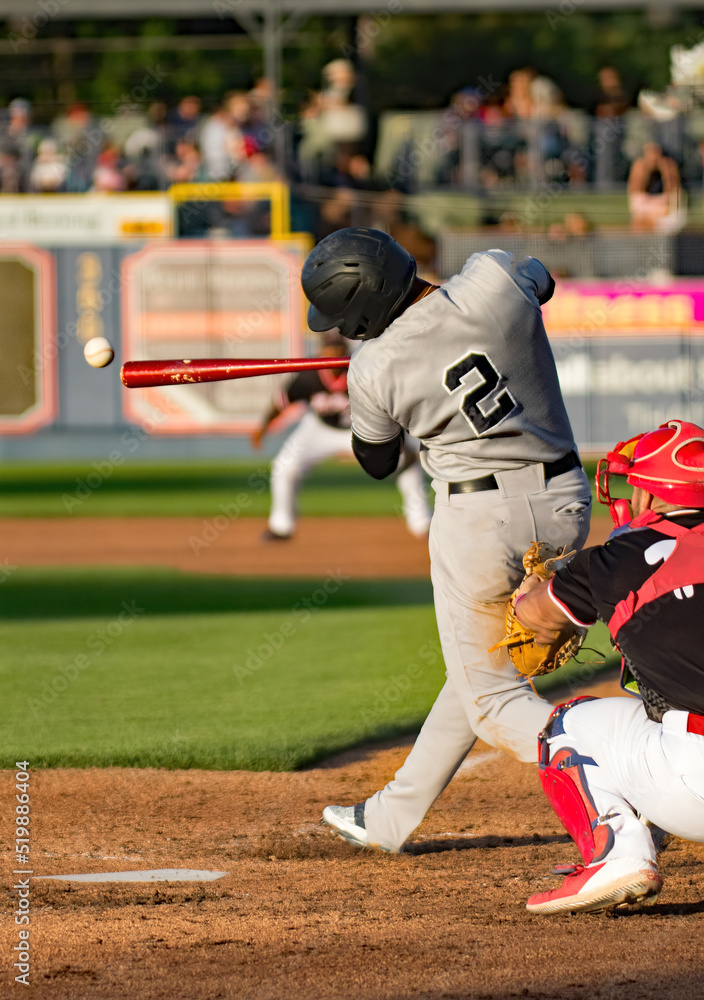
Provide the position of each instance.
(355, 279)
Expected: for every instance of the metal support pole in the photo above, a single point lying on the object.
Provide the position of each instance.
(272, 42)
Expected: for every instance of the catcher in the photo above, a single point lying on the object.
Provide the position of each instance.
(604, 761)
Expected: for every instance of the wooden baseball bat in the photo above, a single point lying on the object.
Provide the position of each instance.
(141, 374)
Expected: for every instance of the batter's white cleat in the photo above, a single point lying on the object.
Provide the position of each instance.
(348, 823)
(598, 887)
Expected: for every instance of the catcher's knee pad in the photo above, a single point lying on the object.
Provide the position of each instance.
(567, 790)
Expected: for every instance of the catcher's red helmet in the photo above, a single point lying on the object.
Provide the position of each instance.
(667, 462)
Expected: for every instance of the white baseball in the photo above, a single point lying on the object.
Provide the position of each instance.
(98, 352)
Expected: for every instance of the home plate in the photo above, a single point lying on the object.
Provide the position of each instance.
(150, 875)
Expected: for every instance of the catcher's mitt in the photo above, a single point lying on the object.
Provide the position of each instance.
(529, 657)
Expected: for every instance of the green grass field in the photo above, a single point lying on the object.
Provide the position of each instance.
(152, 667)
(194, 489)
(161, 668)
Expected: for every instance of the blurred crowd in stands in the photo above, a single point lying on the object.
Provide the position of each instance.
(519, 135)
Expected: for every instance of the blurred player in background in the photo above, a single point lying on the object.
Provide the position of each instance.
(323, 433)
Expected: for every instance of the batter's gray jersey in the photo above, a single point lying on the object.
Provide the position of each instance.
(469, 371)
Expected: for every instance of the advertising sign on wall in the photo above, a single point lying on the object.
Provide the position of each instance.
(211, 300)
(629, 356)
(28, 344)
(59, 220)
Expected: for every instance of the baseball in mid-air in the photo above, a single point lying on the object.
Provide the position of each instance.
(98, 352)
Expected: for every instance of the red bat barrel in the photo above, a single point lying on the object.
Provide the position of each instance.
(142, 374)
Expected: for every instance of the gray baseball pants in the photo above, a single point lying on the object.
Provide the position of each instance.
(477, 542)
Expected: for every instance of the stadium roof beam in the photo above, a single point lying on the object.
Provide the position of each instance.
(139, 9)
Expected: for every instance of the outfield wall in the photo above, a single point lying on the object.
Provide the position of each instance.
(226, 298)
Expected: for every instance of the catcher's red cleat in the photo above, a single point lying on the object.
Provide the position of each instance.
(598, 887)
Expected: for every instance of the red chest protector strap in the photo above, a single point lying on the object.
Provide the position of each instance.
(684, 567)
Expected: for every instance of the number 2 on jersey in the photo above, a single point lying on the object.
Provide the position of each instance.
(488, 401)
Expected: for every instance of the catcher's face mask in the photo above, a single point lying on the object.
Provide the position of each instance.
(618, 462)
(667, 462)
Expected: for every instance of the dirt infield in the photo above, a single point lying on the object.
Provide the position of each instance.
(301, 915)
(363, 547)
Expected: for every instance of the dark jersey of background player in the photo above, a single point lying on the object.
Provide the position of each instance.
(662, 642)
(325, 391)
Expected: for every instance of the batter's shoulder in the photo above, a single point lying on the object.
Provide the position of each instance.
(371, 361)
(528, 274)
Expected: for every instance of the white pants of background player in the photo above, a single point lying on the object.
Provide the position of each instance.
(312, 442)
(477, 542)
(653, 768)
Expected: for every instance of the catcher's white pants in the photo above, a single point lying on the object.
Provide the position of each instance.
(656, 769)
(313, 442)
(477, 542)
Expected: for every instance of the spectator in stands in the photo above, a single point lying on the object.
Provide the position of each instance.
(72, 127)
(222, 140)
(550, 143)
(519, 100)
(260, 99)
(78, 136)
(611, 99)
(338, 83)
(349, 169)
(654, 191)
(330, 117)
(498, 141)
(314, 142)
(335, 212)
(49, 171)
(19, 121)
(10, 170)
(259, 167)
(20, 137)
(143, 171)
(464, 107)
(183, 121)
(507, 143)
(185, 165)
(108, 175)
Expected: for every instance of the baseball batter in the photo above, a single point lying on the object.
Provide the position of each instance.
(467, 369)
(323, 433)
(604, 759)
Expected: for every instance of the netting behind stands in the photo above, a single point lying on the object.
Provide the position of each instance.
(594, 255)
